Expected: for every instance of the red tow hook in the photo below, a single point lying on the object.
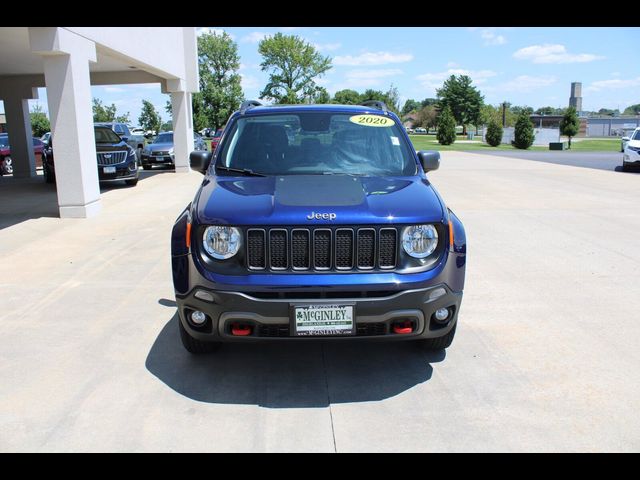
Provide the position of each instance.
(240, 330)
(402, 328)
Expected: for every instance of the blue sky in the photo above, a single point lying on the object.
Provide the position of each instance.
(522, 65)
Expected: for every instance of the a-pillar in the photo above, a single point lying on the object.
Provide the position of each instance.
(23, 160)
(182, 124)
(66, 58)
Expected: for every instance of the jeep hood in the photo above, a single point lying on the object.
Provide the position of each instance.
(291, 199)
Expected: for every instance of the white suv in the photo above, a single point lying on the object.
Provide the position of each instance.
(631, 155)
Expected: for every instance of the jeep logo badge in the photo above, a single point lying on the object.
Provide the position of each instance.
(321, 216)
(107, 155)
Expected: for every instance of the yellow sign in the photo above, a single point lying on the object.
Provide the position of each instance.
(372, 120)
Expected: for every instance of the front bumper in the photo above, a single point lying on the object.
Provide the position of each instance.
(631, 158)
(270, 318)
(123, 172)
(147, 159)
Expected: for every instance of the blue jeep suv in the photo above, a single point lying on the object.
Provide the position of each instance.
(316, 221)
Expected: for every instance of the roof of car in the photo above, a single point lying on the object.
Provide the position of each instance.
(312, 108)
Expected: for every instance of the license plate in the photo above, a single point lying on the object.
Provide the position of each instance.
(323, 320)
(109, 169)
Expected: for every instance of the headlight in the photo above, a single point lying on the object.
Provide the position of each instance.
(171, 151)
(419, 241)
(221, 242)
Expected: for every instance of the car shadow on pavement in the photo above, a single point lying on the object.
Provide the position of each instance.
(304, 374)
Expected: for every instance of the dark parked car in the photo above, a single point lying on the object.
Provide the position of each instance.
(115, 158)
(160, 152)
(6, 163)
(337, 234)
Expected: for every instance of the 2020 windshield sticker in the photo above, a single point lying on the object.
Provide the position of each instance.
(371, 120)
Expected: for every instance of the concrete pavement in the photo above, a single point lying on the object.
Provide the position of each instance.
(545, 357)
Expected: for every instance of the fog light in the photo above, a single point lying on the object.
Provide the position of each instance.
(441, 314)
(198, 317)
(133, 166)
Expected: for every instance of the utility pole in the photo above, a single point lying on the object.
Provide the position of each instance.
(504, 114)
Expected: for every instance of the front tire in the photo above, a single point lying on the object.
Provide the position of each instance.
(625, 167)
(439, 343)
(193, 345)
(48, 177)
(146, 167)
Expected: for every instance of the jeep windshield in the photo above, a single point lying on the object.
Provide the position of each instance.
(317, 143)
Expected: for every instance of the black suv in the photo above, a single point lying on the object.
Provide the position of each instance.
(116, 160)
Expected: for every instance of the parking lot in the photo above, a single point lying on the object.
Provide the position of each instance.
(545, 358)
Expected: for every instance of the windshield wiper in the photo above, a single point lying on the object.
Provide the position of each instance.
(244, 171)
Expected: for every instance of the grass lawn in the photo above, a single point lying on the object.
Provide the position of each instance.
(429, 142)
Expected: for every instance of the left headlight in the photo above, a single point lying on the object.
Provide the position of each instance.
(221, 242)
(419, 241)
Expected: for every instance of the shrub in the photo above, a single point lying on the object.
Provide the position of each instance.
(523, 134)
(494, 133)
(446, 134)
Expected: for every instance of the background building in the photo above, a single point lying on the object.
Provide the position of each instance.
(67, 61)
(575, 100)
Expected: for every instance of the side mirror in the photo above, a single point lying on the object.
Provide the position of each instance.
(200, 160)
(124, 138)
(429, 159)
(625, 139)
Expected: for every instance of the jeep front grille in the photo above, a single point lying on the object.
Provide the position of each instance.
(321, 249)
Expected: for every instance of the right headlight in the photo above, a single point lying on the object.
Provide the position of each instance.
(221, 242)
(419, 241)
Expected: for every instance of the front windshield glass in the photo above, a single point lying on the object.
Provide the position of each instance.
(317, 143)
(4, 140)
(106, 135)
(636, 136)
(164, 138)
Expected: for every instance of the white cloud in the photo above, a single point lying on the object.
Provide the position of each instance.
(372, 58)
(613, 84)
(525, 83)
(553, 53)
(432, 81)
(490, 35)
(114, 89)
(327, 47)
(452, 65)
(492, 38)
(357, 79)
(254, 37)
(248, 82)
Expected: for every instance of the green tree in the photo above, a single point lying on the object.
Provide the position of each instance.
(102, 113)
(149, 117)
(391, 98)
(545, 111)
(523, 133)
(427, 117)
(446, 134)
(464, 100)
(632, 109)
(220, 89)
(517, 110)
(293, 65)
(570, 124)
(494, 133)
(123, 118)
(346, 97)
(39, 121)
(322, 96)
(609, 112)
(166, 126)
(428, 102)
(411, 106)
